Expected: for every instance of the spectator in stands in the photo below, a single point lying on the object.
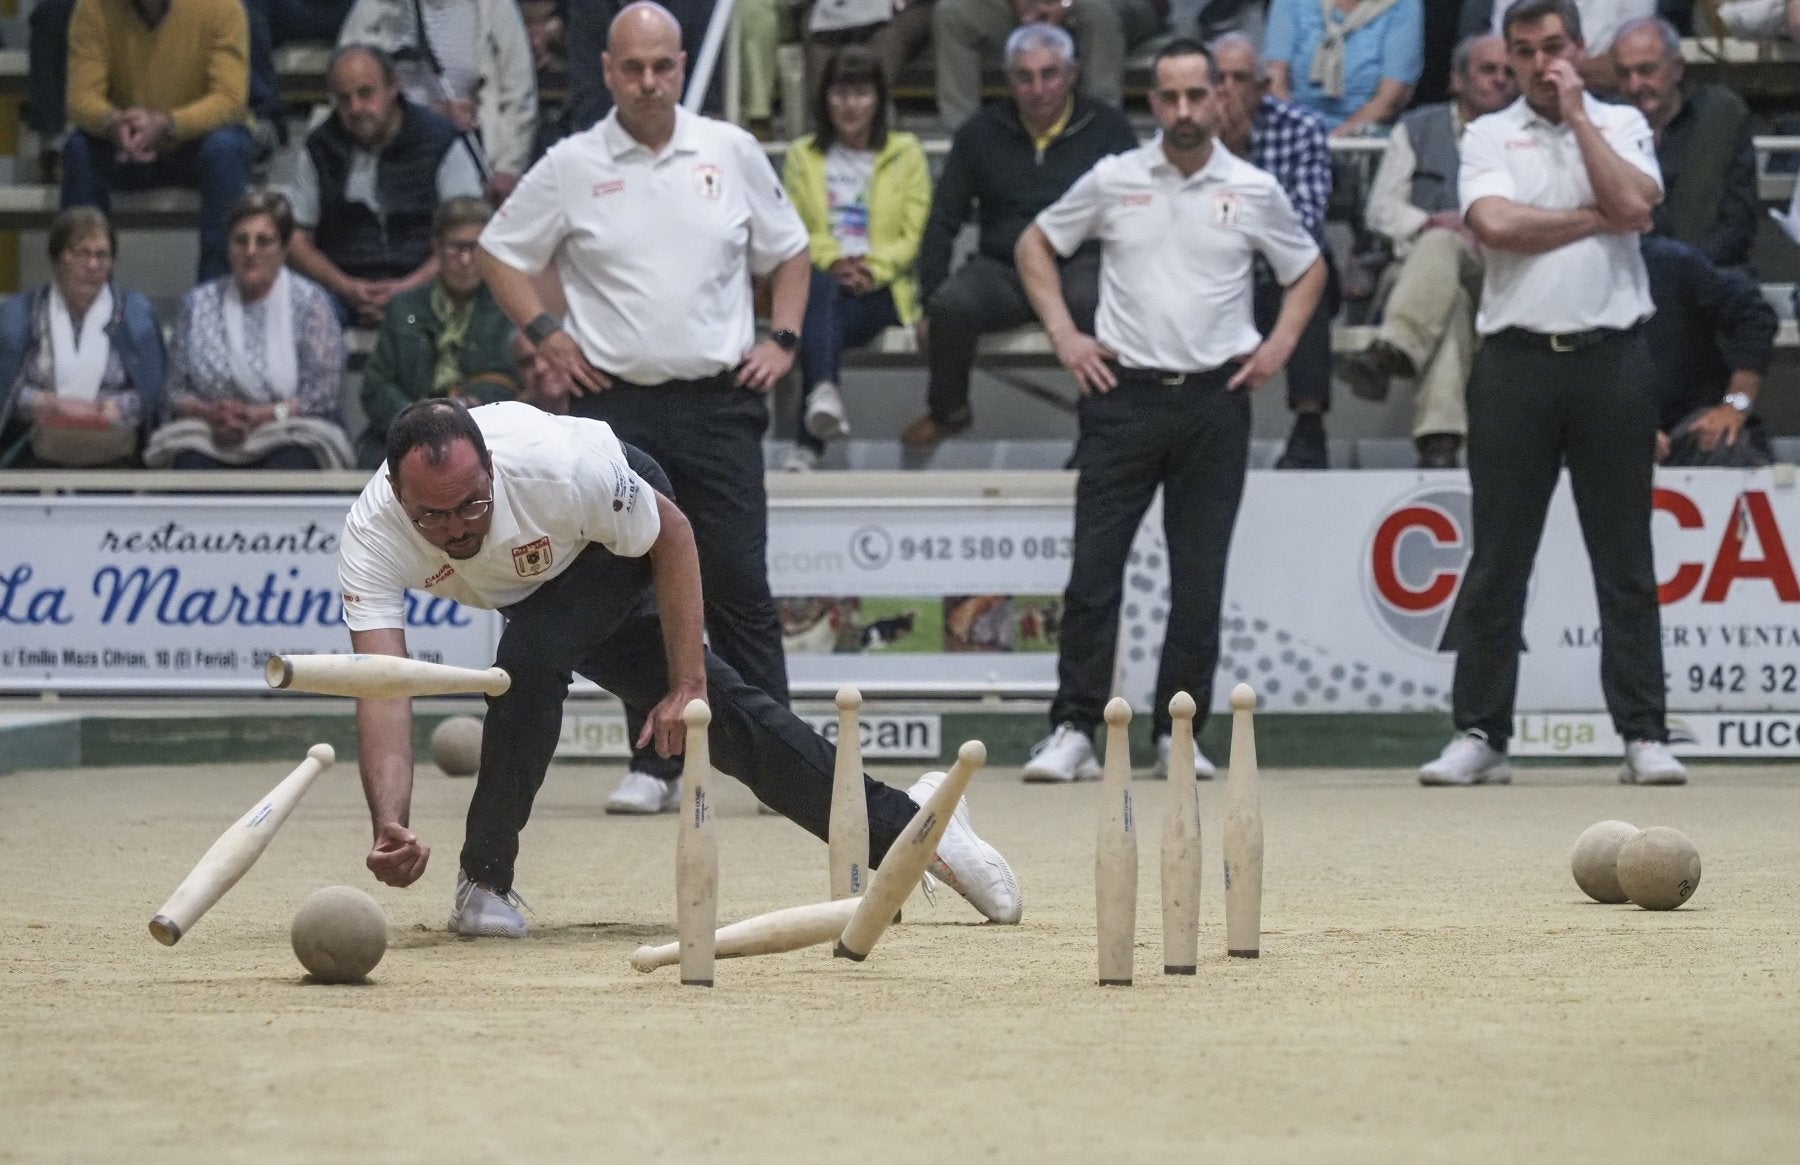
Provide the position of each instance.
(964, 31)
(366, 184)
(256, 360)
(448, 338)
(587, 25)
(1290, 143)
(1007, 163)
(1210, 19)
(863, 192)
(1601, 22)
(1703, 144)
(1354, 66)
(274, 23)
(156, 92)
(81, 359)
(471, 63)
(47, 85)
(1711, 341)
(894, 30)
(1428, 332)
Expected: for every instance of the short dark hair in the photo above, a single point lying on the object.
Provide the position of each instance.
(1184, 46)
(433, 425)
(851, 65)
(77, 223)
(1530, 11)
(383, 61)
(270, 202)
(465, 210)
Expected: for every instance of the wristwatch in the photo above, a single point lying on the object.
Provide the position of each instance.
(787, 339)
(542, 327)
(1740, 401)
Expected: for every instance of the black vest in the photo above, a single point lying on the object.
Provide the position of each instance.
(1432, 133)
(394, 243)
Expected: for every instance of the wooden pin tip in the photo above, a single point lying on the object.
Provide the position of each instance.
(1118, 711)
(1181, 706)
(848, 698)
(499, 682)
(277, 673)
(972, 753)
(1243, 697)
(323, 753)
(696, 714)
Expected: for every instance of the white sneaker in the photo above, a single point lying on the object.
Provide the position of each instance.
(1065, 755)
(968, 865)
(1649, 762)
(800, 459)
(641, 794)
(1204, 770)
(1467, 760)
(478, 911)
(825, 416)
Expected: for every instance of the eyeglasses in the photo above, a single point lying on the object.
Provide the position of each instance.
(87, 255)
(460, 250)
(467, 512)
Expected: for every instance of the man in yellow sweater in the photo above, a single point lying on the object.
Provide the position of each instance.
(156, 92)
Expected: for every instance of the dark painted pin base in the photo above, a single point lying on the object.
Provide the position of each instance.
(696, 982)
(1245, 954)
(844, 952)
(1115, 982)
(165, 931)
(1168, 970)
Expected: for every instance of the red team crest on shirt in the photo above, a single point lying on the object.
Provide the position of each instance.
(707, 180)
(533, 558)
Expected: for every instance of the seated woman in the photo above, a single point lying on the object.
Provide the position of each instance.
(256, 362)
(448, 338)
(863, 193)
(81, 361)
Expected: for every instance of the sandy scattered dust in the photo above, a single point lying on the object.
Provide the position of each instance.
(1433, 987)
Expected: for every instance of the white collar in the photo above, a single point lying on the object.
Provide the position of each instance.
(620, 143)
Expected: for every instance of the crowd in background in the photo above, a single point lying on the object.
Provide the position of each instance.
(368, 215)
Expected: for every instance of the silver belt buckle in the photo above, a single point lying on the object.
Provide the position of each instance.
(1173, 379)
(1560, 343)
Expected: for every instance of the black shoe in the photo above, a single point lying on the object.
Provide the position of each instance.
(1367, 372)
(1438, 450)
(1305, 449)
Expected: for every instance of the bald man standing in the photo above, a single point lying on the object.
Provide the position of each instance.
(655, 220)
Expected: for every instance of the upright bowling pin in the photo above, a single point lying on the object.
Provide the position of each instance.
(696, 853)
(1243, 833)
(849, 829)
(1115, 853)
(1181, 845)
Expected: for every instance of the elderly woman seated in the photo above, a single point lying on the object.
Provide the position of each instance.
(81, 361)
(448, 338)
(256, 363)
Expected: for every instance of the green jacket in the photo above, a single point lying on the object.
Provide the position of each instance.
(399, 371)
(899, 200)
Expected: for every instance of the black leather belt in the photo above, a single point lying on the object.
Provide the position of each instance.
(1166, 377)
(1562, 342)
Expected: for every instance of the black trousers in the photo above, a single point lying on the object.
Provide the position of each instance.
(1309, 368)
(1532, 411)
(598, 618)
(707, 437)
(1194, 441)
(985, 295)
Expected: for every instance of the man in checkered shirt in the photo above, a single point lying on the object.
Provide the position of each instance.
(1289, 142)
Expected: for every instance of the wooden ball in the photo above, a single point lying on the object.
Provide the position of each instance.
(1595, 859)
(1659, 869)
(339, 934)
(456, 746)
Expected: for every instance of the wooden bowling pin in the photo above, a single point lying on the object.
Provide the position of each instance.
(1116, 854)
(696, 853)
(1181, 845)
(1243, 833)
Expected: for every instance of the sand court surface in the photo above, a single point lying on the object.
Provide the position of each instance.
(1433, 987)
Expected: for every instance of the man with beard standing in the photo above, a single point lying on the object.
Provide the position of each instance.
(1165, 383)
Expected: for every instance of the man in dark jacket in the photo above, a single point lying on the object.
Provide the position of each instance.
(1006, 164)
(366, 185)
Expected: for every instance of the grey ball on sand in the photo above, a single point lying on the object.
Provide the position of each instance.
(456, 746)
(1596, 858)
(339, 934)
(1659, 869)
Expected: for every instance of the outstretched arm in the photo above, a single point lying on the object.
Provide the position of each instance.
(675, 575)
(384, 754)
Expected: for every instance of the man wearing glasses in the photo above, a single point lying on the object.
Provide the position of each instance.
(571, 535)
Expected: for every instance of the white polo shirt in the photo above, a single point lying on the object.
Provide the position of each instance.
(1596, 282)
(652, 249)
(1175, 267)
(559, 484)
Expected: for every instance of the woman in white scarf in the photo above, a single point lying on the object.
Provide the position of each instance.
(256, 364)
(75, 385)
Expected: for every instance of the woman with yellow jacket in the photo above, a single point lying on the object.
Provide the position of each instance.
(863, 193)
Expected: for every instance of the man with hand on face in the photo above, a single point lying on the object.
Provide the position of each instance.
(656, 219)
(1166, 382)
(1557, 187)
(571, 535)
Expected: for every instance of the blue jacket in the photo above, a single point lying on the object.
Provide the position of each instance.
(135, 334)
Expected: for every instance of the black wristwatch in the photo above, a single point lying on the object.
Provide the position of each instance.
(787, 339)
(542, 327)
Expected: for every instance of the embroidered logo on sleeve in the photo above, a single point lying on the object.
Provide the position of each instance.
(533, 558)
(707, 180)
(625, 488)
